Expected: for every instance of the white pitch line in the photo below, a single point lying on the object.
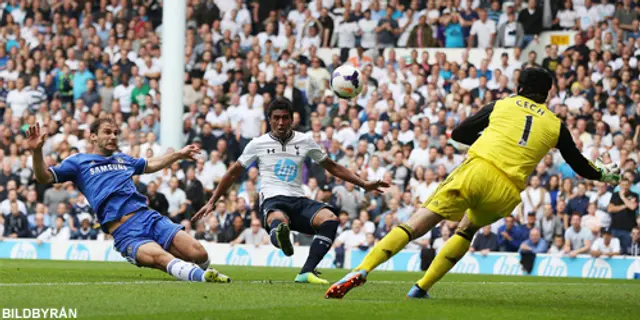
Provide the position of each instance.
(55, 284)
(120, 283)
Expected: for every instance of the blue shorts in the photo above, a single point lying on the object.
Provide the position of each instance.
(299, 210)
(143, 227)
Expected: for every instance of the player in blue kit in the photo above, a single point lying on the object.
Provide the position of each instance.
(143, 236)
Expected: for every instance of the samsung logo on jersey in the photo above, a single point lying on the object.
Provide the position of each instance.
(531, 106)
(107, 167)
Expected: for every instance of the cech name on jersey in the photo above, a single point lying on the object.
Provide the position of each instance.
(531, 106)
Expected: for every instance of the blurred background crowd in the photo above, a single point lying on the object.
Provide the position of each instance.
(65, 63)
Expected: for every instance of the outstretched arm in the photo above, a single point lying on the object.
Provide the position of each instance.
(346, 175)
(469, 130)
(36, 140)
(227, 180)
(156, 164)
(574, 158)
(42, 173)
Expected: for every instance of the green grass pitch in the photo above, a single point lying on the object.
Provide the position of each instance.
(100, 290)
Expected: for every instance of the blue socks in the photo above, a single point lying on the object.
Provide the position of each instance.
(272, 233)
(321, 244)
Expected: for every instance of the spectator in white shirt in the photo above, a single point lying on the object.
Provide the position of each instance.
(484, 29)
(12, 196)
(505, 67)
(123, 94)
(557, 247)
(534, 198)
(375, 171)
(406, 135)
(254, 235)
(297, 16)
(352, 238)
(347, 32)
(368, 225)
(606, 246)
(602, 198)
(10, 73)
(149, 69)
(58, 232)
(588, 15)
(19, 98)
(253, 119)
(257, 99)
(472, 81)
(218, 119)
(445, 234)
(576, 101)
(567, 18)
(229, 23)
(450, 160)
(420, 154)
(312, 38)
(577, 239)
(151, 144)
(368, 26)
(427, 187)
(214, 167)
(177, 200)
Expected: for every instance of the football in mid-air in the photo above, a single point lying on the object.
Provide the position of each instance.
(346, 82)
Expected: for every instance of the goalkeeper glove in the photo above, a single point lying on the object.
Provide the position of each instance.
(609, 173)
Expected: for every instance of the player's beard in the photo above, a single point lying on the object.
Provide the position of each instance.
(108, 148)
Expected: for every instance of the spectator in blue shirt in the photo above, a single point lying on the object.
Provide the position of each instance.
(535, 244)
(3, 58)
(579, 202)
(377, 13)
(529, 225)
(371, 136)
(467, 17)
(485, 241)
(509, 236)
(80, 78)
(453, 35)
(85, 232)
(566, 171)
(495, 11)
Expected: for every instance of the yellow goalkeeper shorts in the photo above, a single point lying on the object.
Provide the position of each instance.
(478, 186)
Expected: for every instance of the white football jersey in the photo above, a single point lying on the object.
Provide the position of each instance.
(280, 163)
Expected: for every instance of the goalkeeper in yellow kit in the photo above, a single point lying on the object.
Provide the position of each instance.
(518, 132)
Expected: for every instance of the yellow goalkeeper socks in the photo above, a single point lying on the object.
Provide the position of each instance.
(452, 251)
(391, 244)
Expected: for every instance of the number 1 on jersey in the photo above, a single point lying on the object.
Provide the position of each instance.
(527, 130)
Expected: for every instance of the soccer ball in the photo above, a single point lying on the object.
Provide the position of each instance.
(346, 82)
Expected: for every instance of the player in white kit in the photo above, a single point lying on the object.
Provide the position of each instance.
(280, 155)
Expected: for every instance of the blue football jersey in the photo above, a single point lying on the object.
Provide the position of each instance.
(105, 182)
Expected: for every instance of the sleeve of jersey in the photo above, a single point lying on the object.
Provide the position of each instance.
(315, 152)
(139, 164)
(249, 154)
(574, 158)
(65, 171)
(469, 130)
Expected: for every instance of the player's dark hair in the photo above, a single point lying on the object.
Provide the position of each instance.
(95, 126)
(280, 103)
(535, 83)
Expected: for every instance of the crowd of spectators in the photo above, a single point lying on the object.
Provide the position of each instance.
(65, 63)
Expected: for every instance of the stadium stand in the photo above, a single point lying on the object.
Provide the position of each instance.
(429, 64)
